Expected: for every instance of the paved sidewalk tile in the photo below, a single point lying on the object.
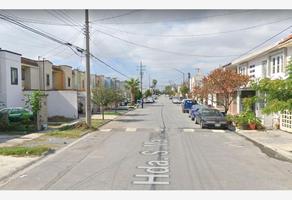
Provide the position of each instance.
(277, 141)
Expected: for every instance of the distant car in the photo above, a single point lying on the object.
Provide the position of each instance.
(195, 109)
(211, 118)
(175, 100)
(170, 97)
(180, 100)
(187, 104)
(16, 113)
(149, 100)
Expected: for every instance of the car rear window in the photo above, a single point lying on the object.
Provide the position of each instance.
(211, 113)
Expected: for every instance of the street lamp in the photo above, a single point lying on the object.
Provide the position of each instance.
(182, 74)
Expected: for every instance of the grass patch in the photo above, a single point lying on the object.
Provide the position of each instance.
(69, 133)
(95, 123)
(23, 151)
(112, 113)
(77, 130)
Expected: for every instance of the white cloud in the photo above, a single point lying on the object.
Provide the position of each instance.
(126, 56)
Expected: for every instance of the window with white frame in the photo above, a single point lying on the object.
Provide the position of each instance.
(242, 70)
(276, 64)
(251, 71)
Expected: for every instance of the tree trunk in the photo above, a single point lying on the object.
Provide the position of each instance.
(102, 112)
(133, 99)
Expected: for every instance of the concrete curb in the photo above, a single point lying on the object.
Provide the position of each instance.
(47, 155)
(267, 149)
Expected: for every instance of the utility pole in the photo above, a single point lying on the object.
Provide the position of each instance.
(149, 82)
(141, 83)
(88, 91)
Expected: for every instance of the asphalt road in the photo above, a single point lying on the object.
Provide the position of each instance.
(157, 148)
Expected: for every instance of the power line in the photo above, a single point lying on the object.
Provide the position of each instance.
(74, 38)
(71, 46)
(185, 19)
(108, 65)
(265, 41)
(113, 17)
(198, 35)
(34, 21)
(161, 50)
(62, 17)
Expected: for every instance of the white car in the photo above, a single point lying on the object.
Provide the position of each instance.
(175, 100)
(149, 100)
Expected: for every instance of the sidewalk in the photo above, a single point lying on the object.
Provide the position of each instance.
(275, 143)
(9, 165)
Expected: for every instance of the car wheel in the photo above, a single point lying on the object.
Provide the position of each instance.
(202, 125)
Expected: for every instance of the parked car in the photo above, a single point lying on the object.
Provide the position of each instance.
(209, 117)
(16, 113)
(180, 100)
(187, 104)
(195, 109)
(149, 100)
(175, 100)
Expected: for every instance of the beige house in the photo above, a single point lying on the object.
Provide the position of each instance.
(62, 77)
(78, 78)
(30, 74)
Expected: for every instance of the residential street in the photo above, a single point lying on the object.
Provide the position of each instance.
(157, 148)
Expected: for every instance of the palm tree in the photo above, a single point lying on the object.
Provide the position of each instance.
(133, 86)
(154, 82)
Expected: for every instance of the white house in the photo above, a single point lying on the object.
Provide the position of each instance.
(268, 62)
(10, 79)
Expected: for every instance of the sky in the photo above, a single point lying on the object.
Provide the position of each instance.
(165, 41)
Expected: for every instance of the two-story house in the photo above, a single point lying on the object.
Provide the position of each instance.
(268, 62)
(10, 79)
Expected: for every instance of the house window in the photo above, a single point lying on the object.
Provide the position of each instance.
(278, 64)
(274, 66)
(14, 76)
(242, 70)
(69, 82)
(48, 80)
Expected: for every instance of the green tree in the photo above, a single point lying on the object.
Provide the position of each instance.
(276, 94)
(147, 93)
(102, 97)
(133, 86)
(184, 90)
(34, 101)
(117, 97)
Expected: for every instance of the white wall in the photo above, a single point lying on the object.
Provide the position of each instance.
(62, 103)
(10, 95)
